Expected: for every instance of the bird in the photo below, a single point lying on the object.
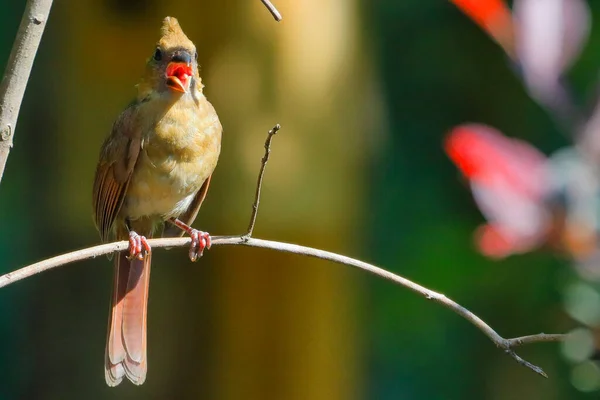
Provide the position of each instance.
(152, 176)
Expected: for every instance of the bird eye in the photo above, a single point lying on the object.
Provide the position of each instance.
(196, 55)
(157, 54)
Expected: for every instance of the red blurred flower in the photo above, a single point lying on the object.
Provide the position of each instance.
(509, 181)
(493, 16)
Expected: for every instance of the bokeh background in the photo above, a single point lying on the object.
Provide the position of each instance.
(364, 91)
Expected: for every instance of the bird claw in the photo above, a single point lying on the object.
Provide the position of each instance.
(138, 246)
(200, 241)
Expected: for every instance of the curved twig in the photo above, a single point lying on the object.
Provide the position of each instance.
(273, 10)
(506, 344)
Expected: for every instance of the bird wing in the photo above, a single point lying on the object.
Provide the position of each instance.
(117, 159)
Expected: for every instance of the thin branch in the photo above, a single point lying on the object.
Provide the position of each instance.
(526, 363)
(17, 72)
(273, 10)
(506, 344)
(261, 174)
(541, 337)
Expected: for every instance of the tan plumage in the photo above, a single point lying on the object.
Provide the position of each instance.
(155, 165)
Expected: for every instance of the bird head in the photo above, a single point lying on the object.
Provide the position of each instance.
(173, 67)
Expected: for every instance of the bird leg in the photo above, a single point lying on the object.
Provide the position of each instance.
(138, 246)
(200, 240)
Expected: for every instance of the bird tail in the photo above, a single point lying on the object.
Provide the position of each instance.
(126, 338)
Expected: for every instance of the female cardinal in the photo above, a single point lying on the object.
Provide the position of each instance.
(155, 167)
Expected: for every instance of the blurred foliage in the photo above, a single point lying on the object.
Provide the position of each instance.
(439, 69)
(358, 168)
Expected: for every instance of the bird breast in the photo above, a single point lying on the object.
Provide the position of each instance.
(178, 154)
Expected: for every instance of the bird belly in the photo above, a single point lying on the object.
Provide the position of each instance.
(164, 189)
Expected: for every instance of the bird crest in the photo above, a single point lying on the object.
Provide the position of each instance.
(172, 35)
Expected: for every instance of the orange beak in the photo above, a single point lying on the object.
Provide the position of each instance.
(179, 76)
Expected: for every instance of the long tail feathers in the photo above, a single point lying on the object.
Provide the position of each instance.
(126, 338)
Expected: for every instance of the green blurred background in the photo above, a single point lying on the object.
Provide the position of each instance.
(364, 91)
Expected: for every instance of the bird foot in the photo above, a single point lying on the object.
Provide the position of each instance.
(138, 246)
(200, 241)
